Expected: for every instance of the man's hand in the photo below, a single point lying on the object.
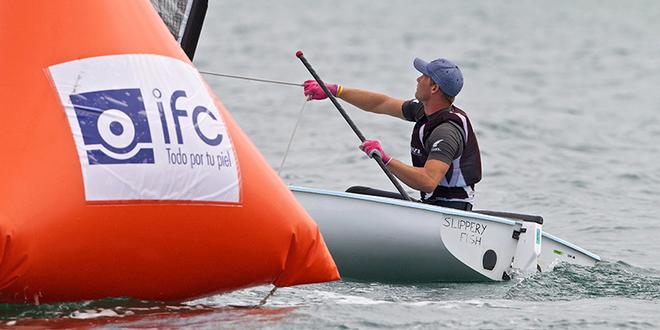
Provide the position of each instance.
(313, 90)
(372, 147)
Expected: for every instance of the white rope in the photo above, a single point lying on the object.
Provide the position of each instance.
(288, 147)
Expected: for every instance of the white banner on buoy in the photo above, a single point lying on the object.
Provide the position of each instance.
(146, 128)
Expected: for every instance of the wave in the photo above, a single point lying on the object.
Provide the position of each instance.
(572, 282)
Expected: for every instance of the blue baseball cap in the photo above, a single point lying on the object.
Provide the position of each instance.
(443, 72)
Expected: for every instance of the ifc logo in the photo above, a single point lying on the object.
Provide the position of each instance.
(114, 126)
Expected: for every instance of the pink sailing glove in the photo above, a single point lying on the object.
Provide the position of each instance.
(314, 92)
(371, 147)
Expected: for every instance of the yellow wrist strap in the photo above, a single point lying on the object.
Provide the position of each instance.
(340, 90)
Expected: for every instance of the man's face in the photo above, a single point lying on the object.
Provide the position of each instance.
(423, 91)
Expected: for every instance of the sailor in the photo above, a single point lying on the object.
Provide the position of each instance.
(446, 162)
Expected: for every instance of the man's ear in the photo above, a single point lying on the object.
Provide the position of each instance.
(435, 88)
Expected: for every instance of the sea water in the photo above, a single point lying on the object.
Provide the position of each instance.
(565, 100)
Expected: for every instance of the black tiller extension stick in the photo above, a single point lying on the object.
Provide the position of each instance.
(332, 98)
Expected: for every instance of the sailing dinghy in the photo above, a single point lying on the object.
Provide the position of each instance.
(383, 239)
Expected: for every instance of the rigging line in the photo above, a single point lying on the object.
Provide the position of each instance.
(252, 79)
(279, 171)
(271, 293)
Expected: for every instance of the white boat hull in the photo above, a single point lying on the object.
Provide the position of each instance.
(387, 240)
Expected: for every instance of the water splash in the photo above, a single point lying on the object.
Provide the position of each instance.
(572, 282)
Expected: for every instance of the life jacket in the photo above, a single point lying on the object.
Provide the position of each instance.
(464, 172)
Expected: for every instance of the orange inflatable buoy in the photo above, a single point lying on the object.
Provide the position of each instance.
(122, 173)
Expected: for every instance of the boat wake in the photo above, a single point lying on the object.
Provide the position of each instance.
(605, 279)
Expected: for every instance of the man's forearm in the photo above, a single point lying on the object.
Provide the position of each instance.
(417, 178)
(372, 102)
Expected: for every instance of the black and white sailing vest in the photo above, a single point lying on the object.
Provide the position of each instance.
(464, 172)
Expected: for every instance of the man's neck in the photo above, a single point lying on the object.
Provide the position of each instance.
(435, 105)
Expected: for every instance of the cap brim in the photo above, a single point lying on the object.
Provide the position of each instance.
(421, 65)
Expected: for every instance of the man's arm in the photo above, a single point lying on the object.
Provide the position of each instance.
(424, 179)
(372, 102)
(365, 100)
(444, 145)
